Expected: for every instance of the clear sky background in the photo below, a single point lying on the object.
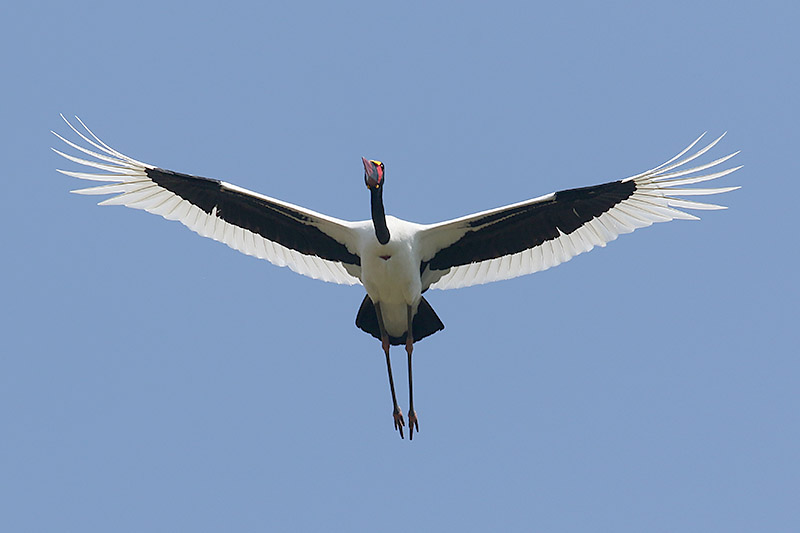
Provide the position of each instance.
(152, 380)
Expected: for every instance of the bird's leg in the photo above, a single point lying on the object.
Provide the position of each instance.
(397, 413)
(412, 414)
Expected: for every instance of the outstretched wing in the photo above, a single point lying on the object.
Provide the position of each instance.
(312, 244)
(544, 232)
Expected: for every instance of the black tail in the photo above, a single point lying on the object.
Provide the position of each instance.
(425, 322)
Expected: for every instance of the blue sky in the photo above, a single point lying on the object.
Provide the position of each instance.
(152, 380)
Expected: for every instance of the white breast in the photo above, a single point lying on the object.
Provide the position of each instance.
(390, 272)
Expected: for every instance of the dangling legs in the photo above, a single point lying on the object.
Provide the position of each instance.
(412, 415)
(397, 413)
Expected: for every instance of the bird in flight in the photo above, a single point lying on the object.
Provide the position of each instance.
(397, 261)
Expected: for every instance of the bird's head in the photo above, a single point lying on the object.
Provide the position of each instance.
(373, 174)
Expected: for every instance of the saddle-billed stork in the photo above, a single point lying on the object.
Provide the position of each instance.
(396, 260)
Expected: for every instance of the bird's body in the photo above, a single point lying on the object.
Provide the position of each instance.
(390, 272)
(395, 260)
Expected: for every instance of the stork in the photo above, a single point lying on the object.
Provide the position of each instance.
(397, 261)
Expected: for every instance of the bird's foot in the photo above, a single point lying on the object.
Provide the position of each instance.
(413, 423)
(398, 420)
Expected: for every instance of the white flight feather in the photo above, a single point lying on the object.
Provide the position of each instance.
(127, 180)
(654, 200)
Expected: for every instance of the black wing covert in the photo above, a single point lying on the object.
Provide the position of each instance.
(279, 223)
(527, 226)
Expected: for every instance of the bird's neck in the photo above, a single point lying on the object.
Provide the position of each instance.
(379, 216)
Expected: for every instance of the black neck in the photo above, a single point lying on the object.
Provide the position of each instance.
(378, 216)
